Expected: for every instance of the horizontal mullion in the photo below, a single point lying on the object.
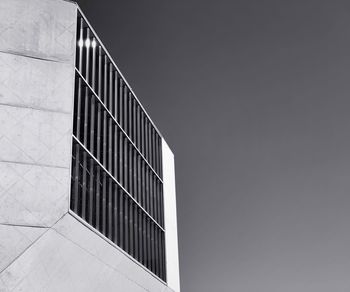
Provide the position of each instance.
(111, 176)
(116, 122)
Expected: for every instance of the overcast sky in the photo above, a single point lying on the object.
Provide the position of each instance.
(253, 98)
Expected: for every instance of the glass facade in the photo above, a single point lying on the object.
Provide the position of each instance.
(117, 184)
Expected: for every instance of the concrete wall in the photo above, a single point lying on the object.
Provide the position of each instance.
(171, 240)
(70, 257)
(37, 45)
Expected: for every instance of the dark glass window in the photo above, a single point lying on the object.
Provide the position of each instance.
(117, 182)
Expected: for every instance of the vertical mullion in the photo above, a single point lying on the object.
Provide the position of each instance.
(134, 157)
(76, 178)
(160, 158)
(152, 147)
(116, 91)
(156, 181)
(137, 126)
(93, 71)
(116, 152)
(115, 214)
(148, 196)
(152, 245)
(140, 244)
(104, 137)
(157, 199)
(121, 99)
(156, 153)
(85, 139)
(142, 130)
(125, 109)
(130, 116)
(157, 251)
(145, 186)
(134, 138)
(87, 45)
(110, 138)
(110, 209)
(85, 117)
(104, 202)
(136, 231)
(149, 144)
(126, 223)
(98, 198)
(125, 163)
(91, 191)
(146, 137)
(79, 109)
(139, 179)
(105, 82)
(98, 143)
(81, 45)
(144, 239)
(143, 176)
(131, 229)
(154, 160)
(111, 97)
(162, 255)
(148, 230)
(159, 262)
(155, 210)
(161, 204)
(121, 218)
(121, 154)
(130, 164)
(151, 211)
(99, 107)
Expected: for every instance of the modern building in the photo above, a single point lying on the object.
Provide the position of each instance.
(87, 182)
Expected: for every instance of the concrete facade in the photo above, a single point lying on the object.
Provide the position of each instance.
(170, 217)
(43, 247)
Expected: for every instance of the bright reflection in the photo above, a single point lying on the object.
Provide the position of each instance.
(87, 43)
(93, 44)
(80, 43)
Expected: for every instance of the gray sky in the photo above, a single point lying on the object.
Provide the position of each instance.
(253, 98)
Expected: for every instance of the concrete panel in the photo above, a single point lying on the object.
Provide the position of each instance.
(171, 240)
(34, 165)
(33, 195)
(111, 256)
(38, 28)
(71, 257)
(14, 240)
(28, 82)
(34, 136)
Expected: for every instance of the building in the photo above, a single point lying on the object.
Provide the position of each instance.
(87, 182)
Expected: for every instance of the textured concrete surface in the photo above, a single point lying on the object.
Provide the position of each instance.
(68, 256)
(36, 99)
(36, 95)
(14, 240)
(35, 83)
(38, 28)
(170, 217)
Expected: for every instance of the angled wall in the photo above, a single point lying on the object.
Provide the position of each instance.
(37, 45)
(70, 257)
